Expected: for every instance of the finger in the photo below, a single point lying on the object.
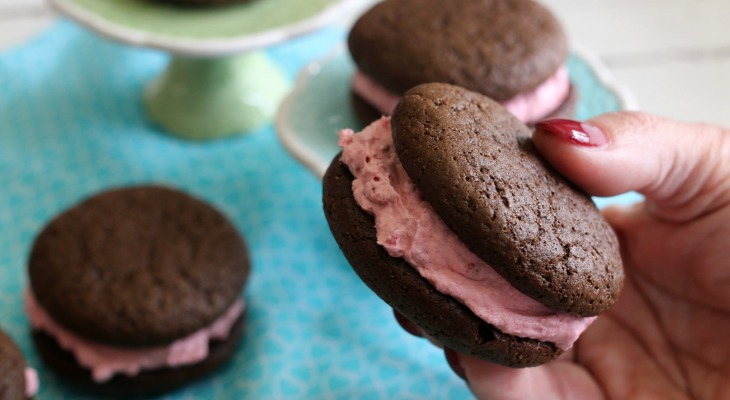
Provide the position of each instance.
(407, 325)
(681, 168)
(695, 254)
(557, 380)
(414, 329)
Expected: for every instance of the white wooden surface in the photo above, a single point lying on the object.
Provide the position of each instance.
(673, 54)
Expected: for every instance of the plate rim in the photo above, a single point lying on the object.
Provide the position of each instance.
(203, 47)
(626, 97)
(285, 132)
(302, 153)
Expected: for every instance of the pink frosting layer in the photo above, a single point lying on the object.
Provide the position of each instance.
(377, 96)
(106, 361)
(529, 107)
(408, 227)
(32, 384)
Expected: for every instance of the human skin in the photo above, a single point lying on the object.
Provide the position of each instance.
(668, 337)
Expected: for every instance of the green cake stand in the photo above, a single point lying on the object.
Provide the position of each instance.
(218, 81)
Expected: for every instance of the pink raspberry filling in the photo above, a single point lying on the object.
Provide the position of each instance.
(528, 107)
(408, 227)
(106, 361)
(32, 384)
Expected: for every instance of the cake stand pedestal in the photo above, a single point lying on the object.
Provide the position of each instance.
(218, 82)
(206, 98)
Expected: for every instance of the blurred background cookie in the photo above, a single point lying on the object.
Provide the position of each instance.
(512, 51)
(17, 381)
(137, 291)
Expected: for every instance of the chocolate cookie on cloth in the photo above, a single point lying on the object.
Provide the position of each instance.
(17, 381)
(447, 213)
(512, 51)
(136, 291)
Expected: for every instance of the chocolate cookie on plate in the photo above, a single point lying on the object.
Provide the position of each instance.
(513, 51)
(17, 381)
(448, 213)
(136, 291)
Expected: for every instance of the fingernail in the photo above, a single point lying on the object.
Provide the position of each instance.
(575, 132)
(453, 359)
(407, 325)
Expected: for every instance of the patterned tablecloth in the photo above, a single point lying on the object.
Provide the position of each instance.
(72, 123)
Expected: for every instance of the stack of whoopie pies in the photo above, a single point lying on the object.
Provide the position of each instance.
(513, 51)
(448, 214)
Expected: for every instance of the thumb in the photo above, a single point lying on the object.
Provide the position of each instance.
(682, 169)
(557, 380)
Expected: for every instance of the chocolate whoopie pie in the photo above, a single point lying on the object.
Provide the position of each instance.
(17, 381)
(512, 51)
(136, 291)
(447, 213)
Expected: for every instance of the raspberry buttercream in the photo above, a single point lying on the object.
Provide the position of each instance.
(106, 361)
(408, 227)
(529, 107)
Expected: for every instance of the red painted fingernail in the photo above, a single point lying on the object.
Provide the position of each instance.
(453, 359)
(574, 132)
(407, 325)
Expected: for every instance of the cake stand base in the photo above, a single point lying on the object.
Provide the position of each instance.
(209, 98)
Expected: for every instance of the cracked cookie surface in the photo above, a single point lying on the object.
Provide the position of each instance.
(138, 266)
(504, 202)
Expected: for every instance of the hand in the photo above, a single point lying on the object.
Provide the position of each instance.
(668, 337)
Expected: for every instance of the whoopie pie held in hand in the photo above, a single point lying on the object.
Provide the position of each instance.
(447, 213)
(17, 381)
(136, 291)
(513, 51)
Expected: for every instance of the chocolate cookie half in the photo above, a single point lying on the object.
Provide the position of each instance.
(501, 199)
(17, 381)
(512, 51)
(399, 284)
(128, 277)
(474, 238)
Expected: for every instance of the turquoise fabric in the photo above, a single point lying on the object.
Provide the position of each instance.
(72, 123)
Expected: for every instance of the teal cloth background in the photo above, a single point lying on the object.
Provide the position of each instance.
(72, 123)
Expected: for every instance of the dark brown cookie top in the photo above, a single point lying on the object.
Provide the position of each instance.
(403, 288)
(476, 165)
(496, 47)
(12, 370)
(138, 266)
